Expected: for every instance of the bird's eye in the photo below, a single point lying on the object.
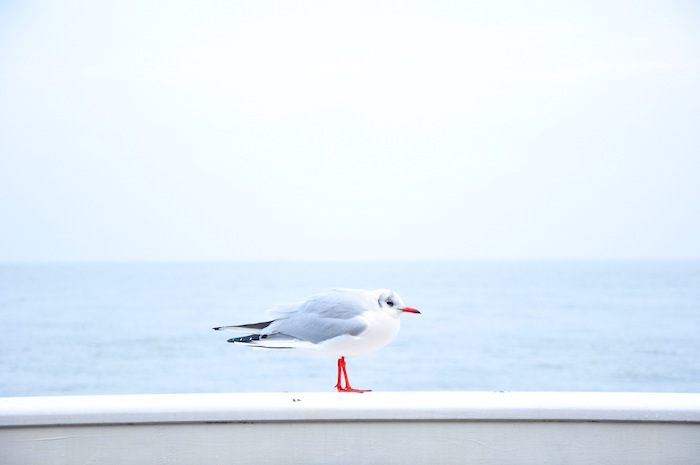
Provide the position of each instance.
(390, 303)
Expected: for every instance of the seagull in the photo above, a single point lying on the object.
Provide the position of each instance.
(339, 323)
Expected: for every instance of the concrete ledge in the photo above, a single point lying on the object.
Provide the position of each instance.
(418, 427)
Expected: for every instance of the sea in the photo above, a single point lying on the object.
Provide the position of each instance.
(146, 328)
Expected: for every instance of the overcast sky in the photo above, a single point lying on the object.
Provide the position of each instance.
(223, 130)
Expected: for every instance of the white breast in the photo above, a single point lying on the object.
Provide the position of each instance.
(383, 328)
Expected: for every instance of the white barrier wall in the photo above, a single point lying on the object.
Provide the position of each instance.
(339, 428)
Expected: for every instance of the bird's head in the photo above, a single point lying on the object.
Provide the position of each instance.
(390, 301)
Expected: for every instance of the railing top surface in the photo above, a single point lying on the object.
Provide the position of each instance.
(332, 406)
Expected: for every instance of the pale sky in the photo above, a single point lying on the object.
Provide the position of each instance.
(223, 130)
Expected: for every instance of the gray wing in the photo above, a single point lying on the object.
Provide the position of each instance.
(324, 316)
(317, 328)
(342, 304)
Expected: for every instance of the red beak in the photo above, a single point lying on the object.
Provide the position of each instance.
(409, 310)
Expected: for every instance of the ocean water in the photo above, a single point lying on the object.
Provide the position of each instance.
(74, 329)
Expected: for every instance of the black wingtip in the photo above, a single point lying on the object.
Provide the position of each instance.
(246, 339)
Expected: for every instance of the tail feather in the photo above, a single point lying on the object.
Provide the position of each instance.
(255, 328)
(259, 336)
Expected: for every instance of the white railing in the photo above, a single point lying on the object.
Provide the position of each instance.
(405, 428)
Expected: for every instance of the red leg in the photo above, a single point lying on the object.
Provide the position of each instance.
(347, 388)
(339, 386)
